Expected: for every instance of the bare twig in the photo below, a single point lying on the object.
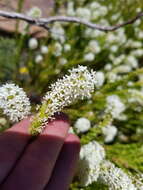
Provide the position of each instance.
(43, 22)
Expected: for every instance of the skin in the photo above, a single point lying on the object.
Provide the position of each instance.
(47, 162)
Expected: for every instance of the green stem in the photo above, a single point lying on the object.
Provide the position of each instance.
(19, 9)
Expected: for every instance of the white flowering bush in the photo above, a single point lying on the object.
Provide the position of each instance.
(95, 77)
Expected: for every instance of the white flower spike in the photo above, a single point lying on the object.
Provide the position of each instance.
(78, 85)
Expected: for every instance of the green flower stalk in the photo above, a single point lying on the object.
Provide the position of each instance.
(79, 84)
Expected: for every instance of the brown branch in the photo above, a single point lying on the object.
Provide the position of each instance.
(43, 22)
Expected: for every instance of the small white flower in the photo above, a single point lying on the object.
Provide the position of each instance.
(114, 106)
(88, 32)
(136, 96)
(112, 57)
(115, 16)
(137, 23)
(39, 58)
(137, 53)
(89, 57)
(137, 44)
(140, 35)
(100, 78)
(122, 117)
(14, 102)
(112, 77)
(33, 43)
(91, 156)
(109, 132)
(111, 38)
(118, 60)
(94, 47)
(62, 61)
(57, 49)
(67, 47)
(94, 6)
(44, 49)
(104, 22)
(103, 10)
(123, 69)
(58, 32)
(120, 36)
(35, 12)
(140, 77)
(83, 13)
(97, 33)
(130, 83)
(138, 10)
(82, 125)
(108, 67)
(132, 61)
(114, 48)
(70, 9)
(95, 14)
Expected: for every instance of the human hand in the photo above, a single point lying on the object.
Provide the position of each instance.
(47, 162)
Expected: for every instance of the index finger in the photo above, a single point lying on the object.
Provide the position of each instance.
(12, 144)
(34, 168)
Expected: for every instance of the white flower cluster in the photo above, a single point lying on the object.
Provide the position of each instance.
(38, 58)
(58, 32)
(44, 49)
(33, 45)
(89, 56)
(35, 12)
(82, 125)
(91, 156)
(83, 13)
(94, 47)
(62, 61)
(114, 106)
(136, 96)
(67, 47)
(57, 49)
(14, 102)
(70, 9)
(97, 41)
(109, 133)
(114, 177)
(94, 167)
(78, 85)
(100, 77)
